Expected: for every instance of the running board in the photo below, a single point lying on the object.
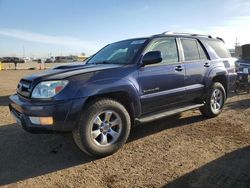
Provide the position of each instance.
(162, 114)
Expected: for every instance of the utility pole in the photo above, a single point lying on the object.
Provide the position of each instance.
(236, 42)
(238, 49)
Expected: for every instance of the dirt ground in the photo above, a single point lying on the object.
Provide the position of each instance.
(191, 151)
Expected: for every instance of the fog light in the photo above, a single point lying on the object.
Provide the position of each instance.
(42, 120)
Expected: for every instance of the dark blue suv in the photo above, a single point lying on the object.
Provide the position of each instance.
(127, 82)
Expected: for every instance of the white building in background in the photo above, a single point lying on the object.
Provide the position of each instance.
(27, 59)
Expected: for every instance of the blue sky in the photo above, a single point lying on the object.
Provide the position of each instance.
(44, 27)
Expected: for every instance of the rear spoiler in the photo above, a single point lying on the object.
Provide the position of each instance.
(220, 39)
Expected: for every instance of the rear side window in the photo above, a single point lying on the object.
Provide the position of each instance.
(219, 48)
(192, 50)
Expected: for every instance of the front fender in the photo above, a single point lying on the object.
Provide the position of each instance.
(112, 85)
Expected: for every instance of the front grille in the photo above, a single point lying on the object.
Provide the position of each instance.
(24, 88)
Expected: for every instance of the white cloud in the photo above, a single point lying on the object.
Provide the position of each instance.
(239, 7)
(88, 46)
(235, 27)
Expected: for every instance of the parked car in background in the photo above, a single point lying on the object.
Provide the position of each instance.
(12, 60)
(6, 59)
(39, 60)
(127, 82)
(49, 60)
(65, 59)
(243, 65)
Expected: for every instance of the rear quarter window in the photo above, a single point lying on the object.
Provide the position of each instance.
(219, 48)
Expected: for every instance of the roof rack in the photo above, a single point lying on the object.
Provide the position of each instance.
(185, 34)
(220, 39)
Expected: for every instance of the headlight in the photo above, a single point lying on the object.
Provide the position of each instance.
(48, 89)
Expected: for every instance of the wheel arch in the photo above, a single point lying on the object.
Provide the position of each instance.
(122, 97)
(223, 80)
(218, 74)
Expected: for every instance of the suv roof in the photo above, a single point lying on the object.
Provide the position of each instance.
(176, 34)
(188, 35)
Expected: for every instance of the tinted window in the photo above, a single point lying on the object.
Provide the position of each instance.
(190, 49)
(203, 54)
(118, 53)
(167, 47)
(219, 48)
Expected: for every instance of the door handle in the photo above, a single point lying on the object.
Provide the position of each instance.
(179, 68)
(207, 64)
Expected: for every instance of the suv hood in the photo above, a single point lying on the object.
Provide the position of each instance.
(61, 72)
(64, 71)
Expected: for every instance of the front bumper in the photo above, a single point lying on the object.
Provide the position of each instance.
(65, 113)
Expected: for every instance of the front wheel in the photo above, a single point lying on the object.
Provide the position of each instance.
(214, 100)
(103, 128)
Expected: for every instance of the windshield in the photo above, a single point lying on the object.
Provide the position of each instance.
(118, 53)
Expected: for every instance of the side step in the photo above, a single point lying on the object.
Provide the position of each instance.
(169, 112)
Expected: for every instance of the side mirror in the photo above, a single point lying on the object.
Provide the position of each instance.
(152, 57)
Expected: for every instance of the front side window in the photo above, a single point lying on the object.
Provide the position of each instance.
(167, 47)
(118, 53)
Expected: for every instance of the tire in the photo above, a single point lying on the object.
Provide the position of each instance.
(103, 128)
(214, 101)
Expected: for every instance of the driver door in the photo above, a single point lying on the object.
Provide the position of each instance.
(162, 84)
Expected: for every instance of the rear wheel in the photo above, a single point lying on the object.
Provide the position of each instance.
(214, 101)
(103, 128)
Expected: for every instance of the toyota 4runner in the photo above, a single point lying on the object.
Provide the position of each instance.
(127, 82)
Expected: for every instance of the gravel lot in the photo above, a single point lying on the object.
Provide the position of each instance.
(191, 151)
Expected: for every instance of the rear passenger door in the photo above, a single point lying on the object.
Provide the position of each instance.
(196, 64)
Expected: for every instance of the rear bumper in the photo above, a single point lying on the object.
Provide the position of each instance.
(231, 81)
(65, 113)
